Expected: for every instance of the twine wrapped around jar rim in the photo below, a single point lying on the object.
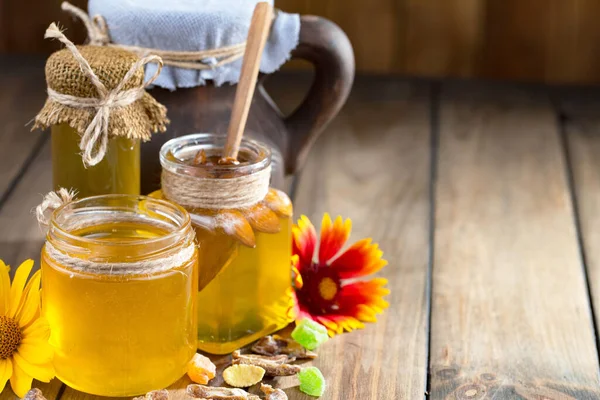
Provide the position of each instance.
(216, 193)
(55, 200)
(161, 264)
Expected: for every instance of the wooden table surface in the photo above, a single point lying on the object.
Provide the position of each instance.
(485, 199)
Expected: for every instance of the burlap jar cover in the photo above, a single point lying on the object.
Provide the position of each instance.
(100, 92)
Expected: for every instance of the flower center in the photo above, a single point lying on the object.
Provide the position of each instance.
(327, 288)
(10, 337)
(320, 290)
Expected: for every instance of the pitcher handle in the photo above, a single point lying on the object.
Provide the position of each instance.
(326, 46)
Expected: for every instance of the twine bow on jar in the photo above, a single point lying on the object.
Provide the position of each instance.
(51, 202)
(94, 141)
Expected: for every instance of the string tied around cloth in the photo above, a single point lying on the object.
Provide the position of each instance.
(94, 141)
(97, 30)
(51, 202)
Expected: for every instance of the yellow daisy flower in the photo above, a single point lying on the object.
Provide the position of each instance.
(25, 353)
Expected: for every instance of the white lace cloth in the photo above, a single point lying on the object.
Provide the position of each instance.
(194, 25)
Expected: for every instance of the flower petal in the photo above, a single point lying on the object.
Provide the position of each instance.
(346, 322)
(363, 300)
(43, 373)
(332, 328)
(296, 277)
(38, 330)
(5, 372)
(366, 313)
(365, 292)
(18, 285)
(361, 259)
(305, 240)
(294, 308)
(37, 352)
(20, 381)
(333, 237)
(303, 313)
(4, 289)
(30, 304)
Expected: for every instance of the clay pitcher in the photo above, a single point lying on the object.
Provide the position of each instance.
(208, 108)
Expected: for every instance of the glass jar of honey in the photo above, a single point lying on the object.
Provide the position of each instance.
(119, 282)
(118, 172)
(98, 112)
(243, 229)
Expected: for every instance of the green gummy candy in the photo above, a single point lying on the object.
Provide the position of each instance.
(312, 381)
(309, 334)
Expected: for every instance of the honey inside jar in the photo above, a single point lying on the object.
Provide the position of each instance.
(244, 252)
(118, 172)
(117, 333)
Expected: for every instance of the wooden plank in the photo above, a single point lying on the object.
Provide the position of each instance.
(24, 238)
(510, 312)
(23, 23)
(372, 165)
(514, 39)
(582, 131)
(443, 37)
(22, 96)
(21, 237)
(543, 40)
(378, 47)
(586, 45)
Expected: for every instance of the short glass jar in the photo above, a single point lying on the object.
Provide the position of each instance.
(119, 281)
(117, 173)
(243, 229)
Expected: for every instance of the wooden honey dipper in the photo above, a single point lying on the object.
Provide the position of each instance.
(257, 37)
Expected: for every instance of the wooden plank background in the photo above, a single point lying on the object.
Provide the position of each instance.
(580, 120)
(555, 41)
(534, 40)
(505, 248)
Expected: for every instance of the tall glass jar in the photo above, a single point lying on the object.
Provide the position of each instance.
(118, 172)
(99, 112)
(243, 229)
(119, 276)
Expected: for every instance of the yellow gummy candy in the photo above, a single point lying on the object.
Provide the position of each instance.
(243, 375)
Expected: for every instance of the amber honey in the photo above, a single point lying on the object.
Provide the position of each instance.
(121, 334)
(118, 172)
(244, 253)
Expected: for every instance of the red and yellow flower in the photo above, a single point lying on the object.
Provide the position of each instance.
(327, 289)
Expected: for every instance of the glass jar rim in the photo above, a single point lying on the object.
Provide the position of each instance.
(179, 216)
(199, 141)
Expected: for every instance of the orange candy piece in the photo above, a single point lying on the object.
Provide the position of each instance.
(201, 370)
